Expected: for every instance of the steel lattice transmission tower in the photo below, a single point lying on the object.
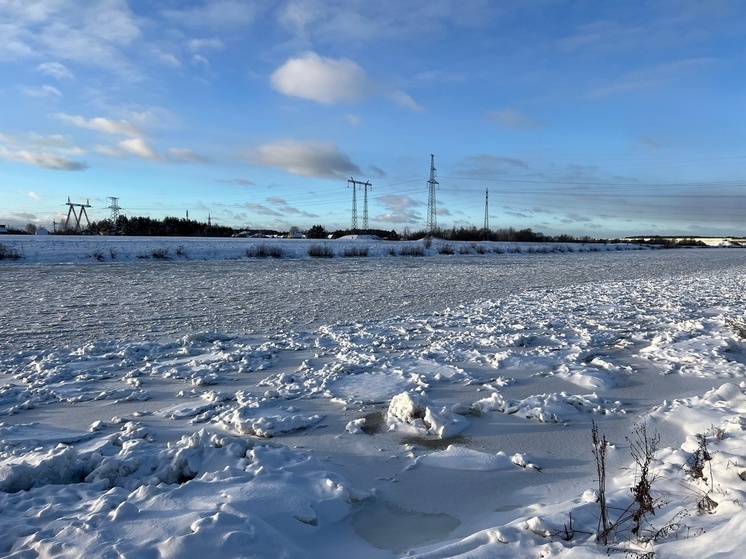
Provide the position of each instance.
(432, 185)
(114, 207)
(486, 213)
(355, 185)
(366, 186)
(77, 215)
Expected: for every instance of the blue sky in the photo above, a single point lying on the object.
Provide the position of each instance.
(600, 118)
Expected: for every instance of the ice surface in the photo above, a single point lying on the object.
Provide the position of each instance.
(367, 408)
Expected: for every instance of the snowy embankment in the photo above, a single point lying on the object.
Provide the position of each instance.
(462, 433)
(60, 249)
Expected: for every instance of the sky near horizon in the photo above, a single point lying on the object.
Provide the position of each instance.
(581, 117)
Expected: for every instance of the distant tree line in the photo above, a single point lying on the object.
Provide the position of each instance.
(181, 227)
(166, 227)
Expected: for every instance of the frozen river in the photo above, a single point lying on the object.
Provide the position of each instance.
(54, 305)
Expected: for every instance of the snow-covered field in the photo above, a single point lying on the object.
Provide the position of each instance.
(211, 404)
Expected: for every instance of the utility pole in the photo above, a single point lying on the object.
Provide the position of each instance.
(432, 185)
(354, 184)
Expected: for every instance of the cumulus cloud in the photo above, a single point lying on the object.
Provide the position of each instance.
(307, 158)
(329, 81)
(321, 79)
(106, 125)
(512, 119)
(42, 159)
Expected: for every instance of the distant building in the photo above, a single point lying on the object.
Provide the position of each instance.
(3, 229)
(41, 231)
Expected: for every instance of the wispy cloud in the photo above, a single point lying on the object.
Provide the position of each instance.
(139, 147)
(239, 182)
(490, 165)
(47, 152)
(261, 209)
(399, 209)
(45, 90)
(106, 125)
(186, 155)
(56, 70)
(512, 119)
(42, 159)
(653, 77)
(307, 158)
(215, 14)
(287, 210)
(199, 45)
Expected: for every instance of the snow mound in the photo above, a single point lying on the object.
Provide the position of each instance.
(414, 411)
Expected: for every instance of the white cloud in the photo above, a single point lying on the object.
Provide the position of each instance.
(168, 59)
(41, 159)
(197, 45)
(404, 100)
(329, 81)
(199, 60)
(306, 158)
(321, 79)
(513, 119)
(140, 148)
(97, 34)
(186, 155)
(101, 124)
(133, 146)
(400, 209)
(56, 70)
(34, 196)
(42, 91)
(354, 120)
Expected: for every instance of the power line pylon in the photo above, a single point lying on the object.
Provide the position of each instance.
(77, 215)
(353, 224)
(114, 207)
(354, 184)
(486, 213)
(432, 185)
(366, 185)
